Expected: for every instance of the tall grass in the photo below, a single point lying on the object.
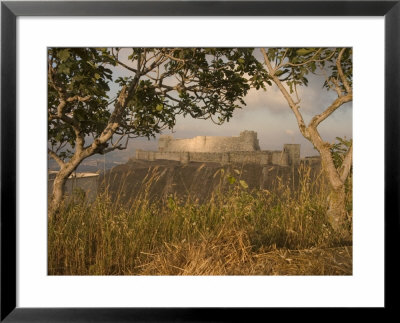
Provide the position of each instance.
(231, 233)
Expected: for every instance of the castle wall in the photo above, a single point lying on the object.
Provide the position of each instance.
(254, 157)
(247, 141)
(243, 149)
(264, 157)
(280, 158)
(208, 157)
(154, 155)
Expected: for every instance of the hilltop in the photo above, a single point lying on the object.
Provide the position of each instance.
(197, 180)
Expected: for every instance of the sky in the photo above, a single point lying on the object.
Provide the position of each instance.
(267, 113)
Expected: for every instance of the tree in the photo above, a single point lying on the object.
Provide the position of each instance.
(205, 83)
(288, 68)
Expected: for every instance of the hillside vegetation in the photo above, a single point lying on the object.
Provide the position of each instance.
(238, 230)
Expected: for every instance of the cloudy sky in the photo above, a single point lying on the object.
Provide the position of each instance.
(267, 113)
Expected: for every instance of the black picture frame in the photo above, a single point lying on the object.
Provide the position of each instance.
(10, 10)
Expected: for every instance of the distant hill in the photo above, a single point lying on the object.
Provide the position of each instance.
(89, 166)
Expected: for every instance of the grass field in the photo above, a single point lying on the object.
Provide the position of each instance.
(237, 232)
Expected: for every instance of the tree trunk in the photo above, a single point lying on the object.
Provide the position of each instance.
(59, 189)
(62, 176)
(336, 213)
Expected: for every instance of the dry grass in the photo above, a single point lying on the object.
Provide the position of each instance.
(233, 256)
(237, 232)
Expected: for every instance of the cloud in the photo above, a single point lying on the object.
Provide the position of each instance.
(271, 99)
(313, 99)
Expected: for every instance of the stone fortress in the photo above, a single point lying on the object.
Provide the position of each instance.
(242, 149)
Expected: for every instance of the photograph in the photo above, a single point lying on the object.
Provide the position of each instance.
(200, 161)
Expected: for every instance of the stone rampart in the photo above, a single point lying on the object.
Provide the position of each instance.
(263, 157)
(243, 149)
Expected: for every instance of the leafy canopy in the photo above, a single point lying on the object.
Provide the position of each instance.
(204, 83)
(84, 73)
(292, 65)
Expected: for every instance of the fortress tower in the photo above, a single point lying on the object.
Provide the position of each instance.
(164, 142)
(250, 139)
(293, 151)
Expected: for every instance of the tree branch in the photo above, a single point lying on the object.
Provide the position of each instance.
(127, 67)
(75, 124)
(337, 86)
(315, 121)
(78, 98)
(331, 80)
(340, 71)
(114, 121)
(50, 73)
(157, 62)
(58, 160)
(175, 58)
(312, 59)
(116, 146)
(292, 104)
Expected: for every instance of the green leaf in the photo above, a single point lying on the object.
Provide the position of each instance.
(280, 72)
(78, 78)
(97, 76)
(231, 180)
(304, 51)
(159, 107)
(62, 68)
(243, 184)
(63, 54)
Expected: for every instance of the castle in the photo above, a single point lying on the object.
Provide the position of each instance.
(242, 149)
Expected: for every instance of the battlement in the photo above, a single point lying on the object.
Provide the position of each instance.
(242, 149)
